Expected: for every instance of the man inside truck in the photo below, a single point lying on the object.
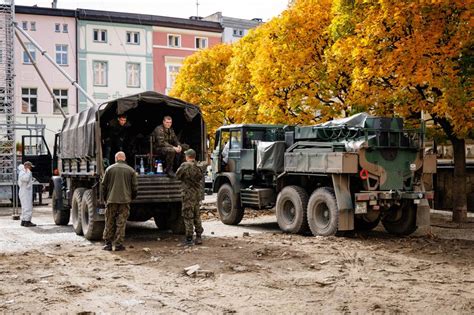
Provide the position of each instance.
(168, 146)
(117, 138)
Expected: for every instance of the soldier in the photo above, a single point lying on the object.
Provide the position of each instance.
(168, 145)
(116, 138)
(119, 187)
(191, 174)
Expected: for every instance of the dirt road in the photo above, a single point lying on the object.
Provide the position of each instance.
(50, 269)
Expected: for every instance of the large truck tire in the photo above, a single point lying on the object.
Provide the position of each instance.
(366, 223)
(76, 210)
(291, 206)
(323, 213)
(92, 228)
(228, 206)
(402, 220)
(162, 220)
(61, 214)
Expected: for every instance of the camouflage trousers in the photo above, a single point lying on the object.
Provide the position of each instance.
(192, 218)
(171, 158)
(116, 215)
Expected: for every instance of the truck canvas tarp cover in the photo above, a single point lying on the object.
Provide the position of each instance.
(145, 111)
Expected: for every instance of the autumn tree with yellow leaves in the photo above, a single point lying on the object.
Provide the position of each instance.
(409, 57)
(321, 59)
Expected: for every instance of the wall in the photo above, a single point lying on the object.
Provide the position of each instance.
(26, 75)
(444, 184)
(163, 55)
(117, 53)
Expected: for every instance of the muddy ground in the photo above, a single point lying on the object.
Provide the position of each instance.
(51, 270)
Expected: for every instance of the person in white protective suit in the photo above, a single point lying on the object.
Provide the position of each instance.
(25, 182)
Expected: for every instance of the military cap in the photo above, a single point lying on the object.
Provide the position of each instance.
(190, 153)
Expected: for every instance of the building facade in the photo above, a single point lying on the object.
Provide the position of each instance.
(55, 31)
(233, 28)
(172, 45)
(114, 57)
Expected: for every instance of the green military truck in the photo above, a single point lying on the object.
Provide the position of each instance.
(344, 175)
(80, 163)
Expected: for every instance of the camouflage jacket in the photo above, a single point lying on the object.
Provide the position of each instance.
(119, 184)
(165, 137)
(191, 175)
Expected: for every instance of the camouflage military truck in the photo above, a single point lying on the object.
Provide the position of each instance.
(343, 175)
(80, 162)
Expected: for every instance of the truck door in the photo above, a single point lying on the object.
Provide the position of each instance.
(35, 150)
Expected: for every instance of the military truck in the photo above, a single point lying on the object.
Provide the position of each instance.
(344, 175)
(80, 162)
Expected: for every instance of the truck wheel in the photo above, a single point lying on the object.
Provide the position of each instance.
(291, 209)
(92, 228)
(363, 223)
(161, 220)
(76, 210)
(60, 215)
(230, 211)
(323, 213)
(402, 220)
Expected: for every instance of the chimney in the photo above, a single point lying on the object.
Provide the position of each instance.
(54, 4)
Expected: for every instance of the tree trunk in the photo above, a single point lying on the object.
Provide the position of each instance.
(459, 180)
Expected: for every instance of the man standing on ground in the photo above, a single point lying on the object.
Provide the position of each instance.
(25, 182)
(168, 145)
(119, 187)
(191, 174)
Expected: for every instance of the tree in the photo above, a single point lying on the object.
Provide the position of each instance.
(410, 57)
(201, 82)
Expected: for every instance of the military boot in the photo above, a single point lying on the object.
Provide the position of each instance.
(28, 224)
(188, 241)
(198, 239)
(108, 246)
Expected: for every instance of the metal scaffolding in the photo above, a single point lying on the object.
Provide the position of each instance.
(7, 97)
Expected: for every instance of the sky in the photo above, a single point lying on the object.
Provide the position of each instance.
(245, 9)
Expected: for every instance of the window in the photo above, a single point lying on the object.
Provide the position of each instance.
(24, 25)
(61, 97)
(133, 38)
(100, 73)
(57, 27)
(33, 26)
(61, 55)
(201, 42)
(100, 36)
(65, 28)
(238, 32)
(32, 50)
(171, 73)
(29, 97)
(133, 74)
(174, 40)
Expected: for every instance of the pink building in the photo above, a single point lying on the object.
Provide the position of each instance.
(55, 31)
(172, 44)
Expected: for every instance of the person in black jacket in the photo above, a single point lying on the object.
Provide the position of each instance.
(116, 138)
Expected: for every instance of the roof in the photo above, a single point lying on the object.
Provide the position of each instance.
(146, 19)
(44, 11)
(124, 17)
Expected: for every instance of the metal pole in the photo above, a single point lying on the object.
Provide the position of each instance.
(33, 62)
(45, 54)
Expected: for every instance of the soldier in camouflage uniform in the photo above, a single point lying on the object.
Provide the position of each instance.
(119, 187)
(191, 174)
(168, 145)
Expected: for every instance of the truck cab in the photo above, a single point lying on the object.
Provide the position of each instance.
(239, 161)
